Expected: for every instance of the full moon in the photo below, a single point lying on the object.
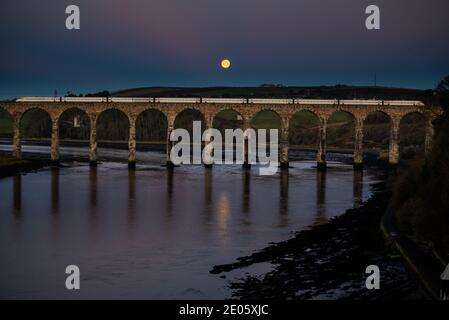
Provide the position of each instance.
(225, 64)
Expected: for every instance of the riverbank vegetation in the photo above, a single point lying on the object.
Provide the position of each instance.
(7, 161)
(10, 166)
(421, 195)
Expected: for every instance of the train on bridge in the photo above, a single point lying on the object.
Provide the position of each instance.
(224, 101)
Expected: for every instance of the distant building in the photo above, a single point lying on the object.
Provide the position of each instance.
(271, 85)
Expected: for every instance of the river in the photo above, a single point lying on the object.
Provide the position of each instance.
(154, 233)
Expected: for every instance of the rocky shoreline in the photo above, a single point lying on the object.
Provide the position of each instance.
(329, 261)
(10, 166)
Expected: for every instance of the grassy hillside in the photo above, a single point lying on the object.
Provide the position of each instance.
(323, 92)
(421, 195)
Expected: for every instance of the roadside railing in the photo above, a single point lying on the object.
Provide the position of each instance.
(444, 291)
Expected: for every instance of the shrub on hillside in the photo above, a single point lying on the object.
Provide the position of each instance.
(421, 195)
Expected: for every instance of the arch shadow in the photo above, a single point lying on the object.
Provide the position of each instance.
(376, 134)
(303, 129)
(340, 131)
(113, 133)
(74, 124)
(186, 117)
(112, 125)
(35, 123)
(151, 130)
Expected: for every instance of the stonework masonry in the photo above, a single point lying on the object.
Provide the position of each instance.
(209, 110)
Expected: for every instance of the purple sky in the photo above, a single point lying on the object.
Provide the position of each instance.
(137, 43)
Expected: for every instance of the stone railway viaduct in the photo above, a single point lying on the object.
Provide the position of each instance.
(284, 108)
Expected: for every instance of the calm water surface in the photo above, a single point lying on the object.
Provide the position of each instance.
(153, 233)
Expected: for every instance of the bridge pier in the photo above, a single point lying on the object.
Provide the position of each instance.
(17, 141)
(358, 145)
(284, 147)
(132, 144)
(208, 140)
(169, 147)
(246, 163)
(246, 136)
(429, 136)
(55, 140)
(393, 154)
(93, 160)
(321, 154)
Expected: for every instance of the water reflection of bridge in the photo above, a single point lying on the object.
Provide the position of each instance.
(322, 214)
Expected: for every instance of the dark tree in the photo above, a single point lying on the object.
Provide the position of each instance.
(442, 91)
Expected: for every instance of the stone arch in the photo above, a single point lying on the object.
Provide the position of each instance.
(416, 113)
(97, 112)
(412, 134)
(74, 123)
(380, 112)
(228, 118)
(184, 119)
(6, 123)
(312, 110)
(266, 117)
(35, 123)
(151, 125)
(192, 107)
(303, 128)
(113, 124)
(26, 110)
(345, 110)
(6, 110)
(377, 133)
(340, 130)
(341, 111)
